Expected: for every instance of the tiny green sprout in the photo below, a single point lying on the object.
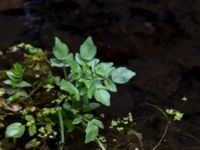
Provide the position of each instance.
(48, 87)
(114, 123)
(114, 140)
(177, 114)
(184, 99)
(102, 139)
(120, 129)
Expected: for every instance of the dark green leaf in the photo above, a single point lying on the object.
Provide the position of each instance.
(68, 125)
(88, 49)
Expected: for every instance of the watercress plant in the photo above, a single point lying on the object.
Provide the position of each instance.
(84, 85)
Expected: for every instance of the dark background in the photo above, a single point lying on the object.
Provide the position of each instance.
(158, 39)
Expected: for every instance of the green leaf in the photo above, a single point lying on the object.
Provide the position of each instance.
(122, 75)
(98, 123)
(32, 130)
(15, 130)
(29, 118)
(68, 87)
(102, 68)
(57, 63)
(92, 63)
(8, 82)
(17, 69)
(90, 92)
(77, 120)
(60, 50)
(23, 84)
(14, 97)
(102, 96)
(68, 125)
(79, 59)
(110, 85)
(88, 49)
(92, 131)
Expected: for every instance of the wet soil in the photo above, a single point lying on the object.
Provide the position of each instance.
(158, 39)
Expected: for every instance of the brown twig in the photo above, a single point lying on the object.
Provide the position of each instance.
(166, 127)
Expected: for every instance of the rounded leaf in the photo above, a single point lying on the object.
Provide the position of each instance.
(88, 50)
(15, 130)
(122, 75)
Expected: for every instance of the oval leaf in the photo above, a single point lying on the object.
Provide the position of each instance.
(88, 49)
(102, 96)
(92, 131)
(122, 75)
(60, 50)
(15, 130)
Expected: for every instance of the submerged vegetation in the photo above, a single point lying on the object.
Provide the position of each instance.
(43, 99)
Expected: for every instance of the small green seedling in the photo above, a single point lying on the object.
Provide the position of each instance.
(177, 114)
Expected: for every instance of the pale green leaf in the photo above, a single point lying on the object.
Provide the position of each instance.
(92, 131)
(88, 49)
(122, 75)
(60, 50)
(15, 130)
(69, 87)
(77, 120)
(102, 96)
(110, 85)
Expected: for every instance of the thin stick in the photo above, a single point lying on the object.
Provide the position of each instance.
(65, 72)
(166, 127)
(100, 144)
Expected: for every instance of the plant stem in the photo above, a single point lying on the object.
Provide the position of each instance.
(62, 141)
(100, 144)
(65, 73)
